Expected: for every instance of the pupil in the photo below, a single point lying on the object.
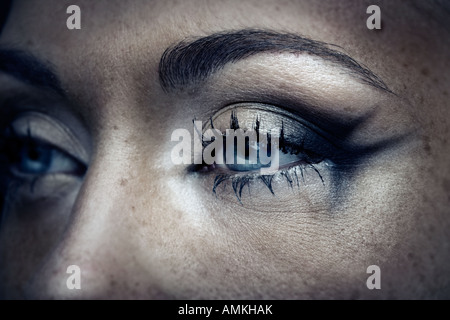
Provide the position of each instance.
(34, 154)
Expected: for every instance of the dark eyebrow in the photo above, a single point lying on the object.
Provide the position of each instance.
(29, 69)
(191, 62)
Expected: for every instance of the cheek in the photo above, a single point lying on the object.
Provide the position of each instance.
(298, 249)
(293, 249)
(32, 225)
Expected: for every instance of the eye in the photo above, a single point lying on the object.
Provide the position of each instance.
(299, 148)
(37, 158)
(28, 156)
(247, 150)
(241, 160)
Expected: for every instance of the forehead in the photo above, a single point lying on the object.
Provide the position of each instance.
(137, 32)
(126, 39)
(165, 20)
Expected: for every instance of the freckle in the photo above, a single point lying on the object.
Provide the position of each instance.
(421, 278)
(446, 185)
(133, 208)
(427, 148)
(421, 99)
(405, 65)
(116, 128)
(112, 283)
(410, 256)
(277, 8)
(426, 145)
(445, 93)
(425, 72)
(123, 182)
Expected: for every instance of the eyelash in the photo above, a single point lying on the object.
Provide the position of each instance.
(239, 181)
(12, 144)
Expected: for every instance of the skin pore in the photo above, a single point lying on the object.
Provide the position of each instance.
(140, 226)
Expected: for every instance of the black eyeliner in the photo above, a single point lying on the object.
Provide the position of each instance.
(238, 182)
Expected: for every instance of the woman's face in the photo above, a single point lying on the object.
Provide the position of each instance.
(87, 122)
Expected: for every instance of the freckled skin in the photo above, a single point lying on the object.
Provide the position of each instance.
(140, 227)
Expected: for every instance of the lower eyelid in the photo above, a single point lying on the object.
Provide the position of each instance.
(294, 176)
(26, 189)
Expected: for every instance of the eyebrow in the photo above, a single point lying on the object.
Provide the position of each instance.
(29, 69)
(192, 62)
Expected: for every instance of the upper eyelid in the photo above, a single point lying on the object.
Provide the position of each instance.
(20, 99)
(345, 151)
(332, 125)
(284, 112)
(43, 143)
(76, 149)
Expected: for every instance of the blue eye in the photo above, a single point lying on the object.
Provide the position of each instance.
(245, 158)
(295, 148)
(34, 158)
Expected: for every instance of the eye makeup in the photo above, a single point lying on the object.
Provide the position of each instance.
(318, 93)
(35, 146)
(302, 147)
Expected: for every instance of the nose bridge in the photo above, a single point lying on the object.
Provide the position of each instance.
(101, 238)
(115, 205)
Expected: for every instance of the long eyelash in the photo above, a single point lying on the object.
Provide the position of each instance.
(234, 122)
(205, 143)
(268, 182)
(317, 171)
(286, 146)
(239, 182)
(218, 180)
(11, 143)
(289, 179)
